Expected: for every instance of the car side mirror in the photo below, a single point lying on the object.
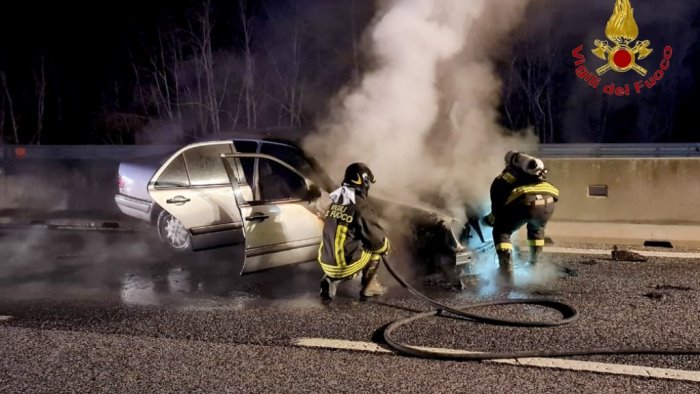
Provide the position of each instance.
(313, 192)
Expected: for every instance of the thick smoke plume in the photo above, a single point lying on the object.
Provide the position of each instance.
(425, 117)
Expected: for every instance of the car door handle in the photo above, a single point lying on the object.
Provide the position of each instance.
(257, 216)
(177, 200)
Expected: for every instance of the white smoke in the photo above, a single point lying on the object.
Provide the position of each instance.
(425, 118)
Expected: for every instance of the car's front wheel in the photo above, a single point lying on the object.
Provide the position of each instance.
(172, 232)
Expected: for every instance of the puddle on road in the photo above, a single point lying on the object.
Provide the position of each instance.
(187, 290)
(176, 287)
(137, 270)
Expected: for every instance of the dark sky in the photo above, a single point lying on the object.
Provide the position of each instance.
(88, 37)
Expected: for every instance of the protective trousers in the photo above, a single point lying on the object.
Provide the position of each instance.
(531, 210)
(369, 282)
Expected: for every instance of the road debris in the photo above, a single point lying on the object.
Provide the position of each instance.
(626, 255)
(657, 295)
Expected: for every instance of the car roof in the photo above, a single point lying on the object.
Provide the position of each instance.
(282, 135)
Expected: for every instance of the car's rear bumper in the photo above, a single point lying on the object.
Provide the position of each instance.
(134, 207)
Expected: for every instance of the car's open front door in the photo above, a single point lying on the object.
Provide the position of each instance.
(282, 211)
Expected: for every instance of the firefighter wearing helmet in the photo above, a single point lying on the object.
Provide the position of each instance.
(353, 240)
(520, 195)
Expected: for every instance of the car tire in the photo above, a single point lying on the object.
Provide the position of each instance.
(173, 233)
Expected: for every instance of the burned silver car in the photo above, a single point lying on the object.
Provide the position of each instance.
(265, 194)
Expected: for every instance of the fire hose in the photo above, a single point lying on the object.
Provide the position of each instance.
(569, 315)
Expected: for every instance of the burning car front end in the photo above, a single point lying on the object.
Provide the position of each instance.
(436, 242)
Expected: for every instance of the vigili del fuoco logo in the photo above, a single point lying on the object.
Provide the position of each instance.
(621, 56)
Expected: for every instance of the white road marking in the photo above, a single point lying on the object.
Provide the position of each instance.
(608, 252)
(555, 363)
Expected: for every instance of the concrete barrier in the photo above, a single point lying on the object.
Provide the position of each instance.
(653, 190)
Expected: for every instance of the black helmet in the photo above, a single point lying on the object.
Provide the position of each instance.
(358, 175)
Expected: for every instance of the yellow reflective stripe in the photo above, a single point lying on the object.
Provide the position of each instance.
(508, 177)
(362, 261)
(384, 247)
(320, 252)
(535, 242)
(504, 246)
(343, 272)
(333, 270)
(544, 187)
(340, 234)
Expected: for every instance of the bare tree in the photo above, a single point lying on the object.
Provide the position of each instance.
(529, 81)
(249, 74)
(295, 88)
(289, 95)
(206, 60)
(40, 82)
(139, 91)
(176, 61)
(203, 97)
(162, 78)
(2, 119)
(202, 85)
(10, 106)
(161, 73)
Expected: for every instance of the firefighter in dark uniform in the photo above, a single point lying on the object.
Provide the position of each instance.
(520, 195)
(353, 240)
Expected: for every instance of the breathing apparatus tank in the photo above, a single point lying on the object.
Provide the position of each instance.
(525, 163)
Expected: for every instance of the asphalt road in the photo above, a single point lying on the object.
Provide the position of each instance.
(115, 312)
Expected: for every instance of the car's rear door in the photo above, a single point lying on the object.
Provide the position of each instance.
(282, 216)
(193, 187)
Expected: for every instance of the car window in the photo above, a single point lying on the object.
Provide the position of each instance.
(246, 146)
(278, 183)
(175, 175)
(204, 165)
(289, 155)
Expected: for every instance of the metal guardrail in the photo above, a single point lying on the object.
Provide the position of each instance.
(82, 152)
(619, 150)
(127, 152)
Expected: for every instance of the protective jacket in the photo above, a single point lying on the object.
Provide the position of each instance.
(511, 186)
(351, 234)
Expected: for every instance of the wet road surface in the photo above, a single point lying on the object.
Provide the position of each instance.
(116, 312)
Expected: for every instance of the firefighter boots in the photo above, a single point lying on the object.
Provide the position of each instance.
(328, 288)
(370, 281)
(535, 253)
(505, 267)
